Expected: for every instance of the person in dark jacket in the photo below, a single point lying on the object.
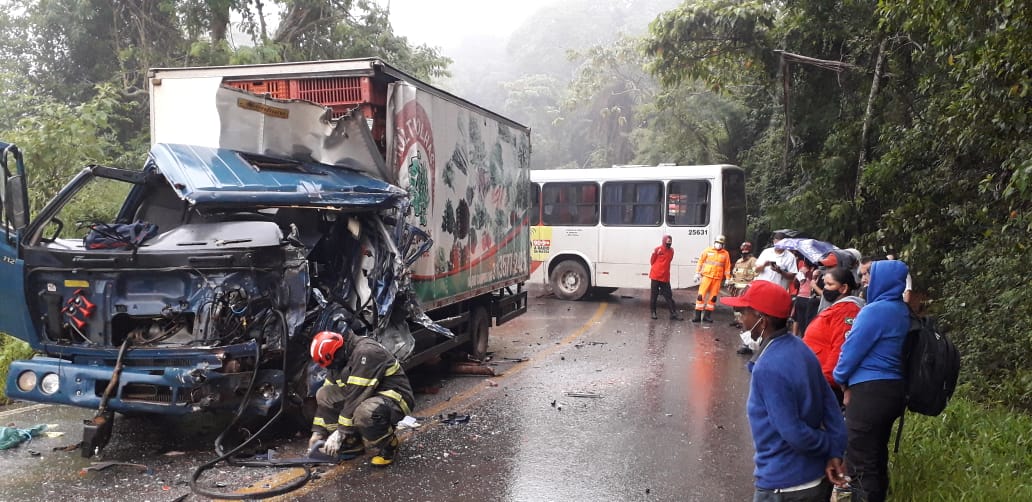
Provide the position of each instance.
(796, 422)
(366, 392)
(870, 372)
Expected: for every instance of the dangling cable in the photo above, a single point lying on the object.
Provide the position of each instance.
(228, 456)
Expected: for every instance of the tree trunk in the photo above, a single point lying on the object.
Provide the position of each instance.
(875, 84)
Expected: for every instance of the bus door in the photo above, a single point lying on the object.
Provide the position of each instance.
(632, 227)
(690, 221)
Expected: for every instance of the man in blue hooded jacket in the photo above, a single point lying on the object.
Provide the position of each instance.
(870, 370)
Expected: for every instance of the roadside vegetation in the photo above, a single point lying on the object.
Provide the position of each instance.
(11, 349)
(896, 126)
(972, 452)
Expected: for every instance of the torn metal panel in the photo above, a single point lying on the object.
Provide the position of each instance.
(220, 177)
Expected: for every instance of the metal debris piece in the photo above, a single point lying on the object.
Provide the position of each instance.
(472, 369)
(584, 395)
(100, 466)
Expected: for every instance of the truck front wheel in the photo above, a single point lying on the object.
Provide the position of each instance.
(569, 280)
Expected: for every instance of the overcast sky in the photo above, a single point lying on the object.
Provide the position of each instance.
(444, 23)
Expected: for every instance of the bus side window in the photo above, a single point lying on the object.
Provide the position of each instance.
(573, 204)
(632, 203)
(688, 203)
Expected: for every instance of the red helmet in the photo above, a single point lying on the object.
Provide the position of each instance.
(324, 345)
(746, 246)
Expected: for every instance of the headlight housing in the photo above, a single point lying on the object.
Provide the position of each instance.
(50, 383)
(27, 381)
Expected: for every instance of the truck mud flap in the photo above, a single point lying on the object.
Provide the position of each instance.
(509, 307)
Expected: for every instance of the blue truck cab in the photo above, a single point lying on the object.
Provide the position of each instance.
(206, 283)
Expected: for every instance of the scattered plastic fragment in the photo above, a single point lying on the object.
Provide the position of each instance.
(454, 418)
(409, 422)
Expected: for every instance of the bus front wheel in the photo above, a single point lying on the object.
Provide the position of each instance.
(569, 280)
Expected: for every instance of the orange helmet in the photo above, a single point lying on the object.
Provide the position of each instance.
(324, 345)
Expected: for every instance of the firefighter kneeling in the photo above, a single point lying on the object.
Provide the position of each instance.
(365, 394)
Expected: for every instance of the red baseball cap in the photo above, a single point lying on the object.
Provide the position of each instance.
(765, 297)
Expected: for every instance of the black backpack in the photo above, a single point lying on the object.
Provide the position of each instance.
(931, 365)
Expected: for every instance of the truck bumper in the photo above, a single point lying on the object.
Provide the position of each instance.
(166, 391)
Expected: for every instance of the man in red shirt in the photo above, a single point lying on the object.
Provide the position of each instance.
(661, 259)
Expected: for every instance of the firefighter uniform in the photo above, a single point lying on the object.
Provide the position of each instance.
(715, 268)
(368, 393)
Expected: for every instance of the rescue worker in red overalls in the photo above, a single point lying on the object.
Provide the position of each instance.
(659, 273)
(365, 394)
(713, 270)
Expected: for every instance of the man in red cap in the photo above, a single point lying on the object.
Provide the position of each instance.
(796, 424)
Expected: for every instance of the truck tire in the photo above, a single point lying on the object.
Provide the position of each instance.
(478, 328)
(569, 280)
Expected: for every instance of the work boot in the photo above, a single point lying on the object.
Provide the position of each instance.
(352, 447)
(675, 317)
(698, 316)
(654, 316)
(706, 317)
(388, 448)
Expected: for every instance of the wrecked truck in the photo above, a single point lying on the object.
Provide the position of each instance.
(195, 284)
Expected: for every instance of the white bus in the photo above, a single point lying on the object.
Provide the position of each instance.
(596, 228)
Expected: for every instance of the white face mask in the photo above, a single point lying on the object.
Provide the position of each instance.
(718, 246)
(747, 337)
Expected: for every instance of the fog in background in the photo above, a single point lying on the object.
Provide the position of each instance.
(500, 50)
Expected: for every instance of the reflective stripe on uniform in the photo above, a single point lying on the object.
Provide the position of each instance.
(346, 422)
(397, 397)
(364, 382)
(394, 368)
(318, 421)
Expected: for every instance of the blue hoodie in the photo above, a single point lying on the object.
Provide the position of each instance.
(873, 349)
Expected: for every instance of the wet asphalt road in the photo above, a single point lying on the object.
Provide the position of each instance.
(592, 401)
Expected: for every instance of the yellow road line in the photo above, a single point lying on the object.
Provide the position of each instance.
(339, 470)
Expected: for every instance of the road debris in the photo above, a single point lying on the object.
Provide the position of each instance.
(100, 466)
(13, 436)
(593, 395)
(453, 418)
(472, 369)
(409, 422)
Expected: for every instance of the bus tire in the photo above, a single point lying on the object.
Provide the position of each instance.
(569, 280)
(478, 329)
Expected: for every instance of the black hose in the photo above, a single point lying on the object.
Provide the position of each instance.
(228, 456)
